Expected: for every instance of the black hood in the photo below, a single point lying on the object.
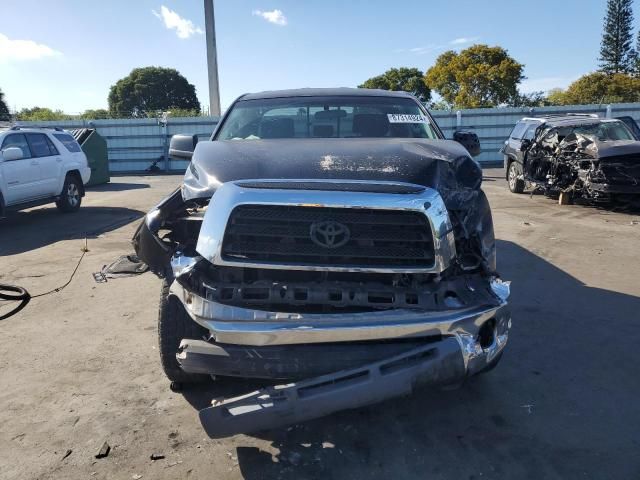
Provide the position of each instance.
(440, 164)
(591, 146)
(618, 148)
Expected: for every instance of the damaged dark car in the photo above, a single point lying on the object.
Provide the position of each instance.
(333, 243)
(577, 156)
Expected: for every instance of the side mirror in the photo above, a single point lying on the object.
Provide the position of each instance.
(468, 140)
(182, 146)
(12, 153)
(525, 144)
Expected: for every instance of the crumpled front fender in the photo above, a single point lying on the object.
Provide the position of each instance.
(147, 243)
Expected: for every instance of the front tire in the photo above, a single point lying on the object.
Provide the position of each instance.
(174, 324)
(516, 185)
(71, 196)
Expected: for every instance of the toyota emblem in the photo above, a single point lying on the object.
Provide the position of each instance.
(329, 234)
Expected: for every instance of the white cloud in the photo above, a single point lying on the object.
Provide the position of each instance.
(24, 50)
(545, 84)
(184, 28)
(420, 50)
(463, 40)
(457, 42)
(274, 16)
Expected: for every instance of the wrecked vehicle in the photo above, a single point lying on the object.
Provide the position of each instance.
(578, 155)
(331, 239)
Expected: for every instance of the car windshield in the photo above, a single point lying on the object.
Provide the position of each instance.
(606, 131)
(326, 117)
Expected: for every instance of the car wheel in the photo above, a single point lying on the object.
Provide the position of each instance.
(174, 324)
(71, 196)
(516, 185)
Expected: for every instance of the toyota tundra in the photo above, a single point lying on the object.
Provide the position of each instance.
(331, 242)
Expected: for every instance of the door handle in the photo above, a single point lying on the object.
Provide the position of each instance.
(34, 162)
(58, 159)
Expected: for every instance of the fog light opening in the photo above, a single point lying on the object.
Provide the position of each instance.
(487, 333)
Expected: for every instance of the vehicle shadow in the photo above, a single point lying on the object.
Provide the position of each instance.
(117, 187)
(562, 402)
(24, 231)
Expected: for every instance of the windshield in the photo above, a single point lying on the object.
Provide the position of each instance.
(604, 131)
(326, 117)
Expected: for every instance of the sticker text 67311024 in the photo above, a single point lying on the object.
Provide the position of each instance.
(406, 118)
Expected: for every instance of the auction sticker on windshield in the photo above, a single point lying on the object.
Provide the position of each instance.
(406, 118)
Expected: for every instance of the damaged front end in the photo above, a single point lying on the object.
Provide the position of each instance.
(589, 165)
(354, 290)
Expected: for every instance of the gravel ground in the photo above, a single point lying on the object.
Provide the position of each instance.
(81, 367)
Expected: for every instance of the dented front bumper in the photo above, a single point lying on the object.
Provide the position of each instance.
(344, 362)
(244, 326)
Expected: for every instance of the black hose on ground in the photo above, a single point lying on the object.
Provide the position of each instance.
(19, 294)
(13, 293)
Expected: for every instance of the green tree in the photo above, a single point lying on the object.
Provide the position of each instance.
(97, 114)
(532, 99)
(4, 110)
(150, 89)
(39, 114)
(439, 105)
(401, 79)
(599, 88)
(479, 76)
(636, 56)
(616, 49)
(184, 112)
(555, 96)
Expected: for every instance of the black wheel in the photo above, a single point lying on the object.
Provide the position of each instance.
(174, 324)
(516, 185)
(71, 196)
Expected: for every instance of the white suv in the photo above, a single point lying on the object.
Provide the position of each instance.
(39, 166)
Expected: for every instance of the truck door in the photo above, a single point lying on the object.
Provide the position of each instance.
(22, 176)
(50, 162)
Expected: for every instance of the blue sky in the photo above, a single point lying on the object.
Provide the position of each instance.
(66, 54)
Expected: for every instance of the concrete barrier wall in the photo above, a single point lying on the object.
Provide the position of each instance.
(134, 145)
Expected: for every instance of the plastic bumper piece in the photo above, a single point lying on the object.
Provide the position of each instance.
(438, 363)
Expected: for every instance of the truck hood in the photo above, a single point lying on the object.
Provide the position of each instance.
(440, 164)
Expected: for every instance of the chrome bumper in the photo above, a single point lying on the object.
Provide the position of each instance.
(243, 326)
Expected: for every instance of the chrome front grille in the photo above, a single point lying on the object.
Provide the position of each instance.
(251, 224)
(285, 234)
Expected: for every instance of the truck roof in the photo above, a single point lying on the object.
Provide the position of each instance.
(566, 119)
(325, 92)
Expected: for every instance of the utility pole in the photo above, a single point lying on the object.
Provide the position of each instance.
(212, 58)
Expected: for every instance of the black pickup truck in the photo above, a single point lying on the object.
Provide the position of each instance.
(332, 240)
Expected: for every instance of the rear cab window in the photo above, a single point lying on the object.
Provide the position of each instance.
(68, 141)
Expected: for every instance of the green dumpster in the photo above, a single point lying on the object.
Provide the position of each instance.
(95, 148)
